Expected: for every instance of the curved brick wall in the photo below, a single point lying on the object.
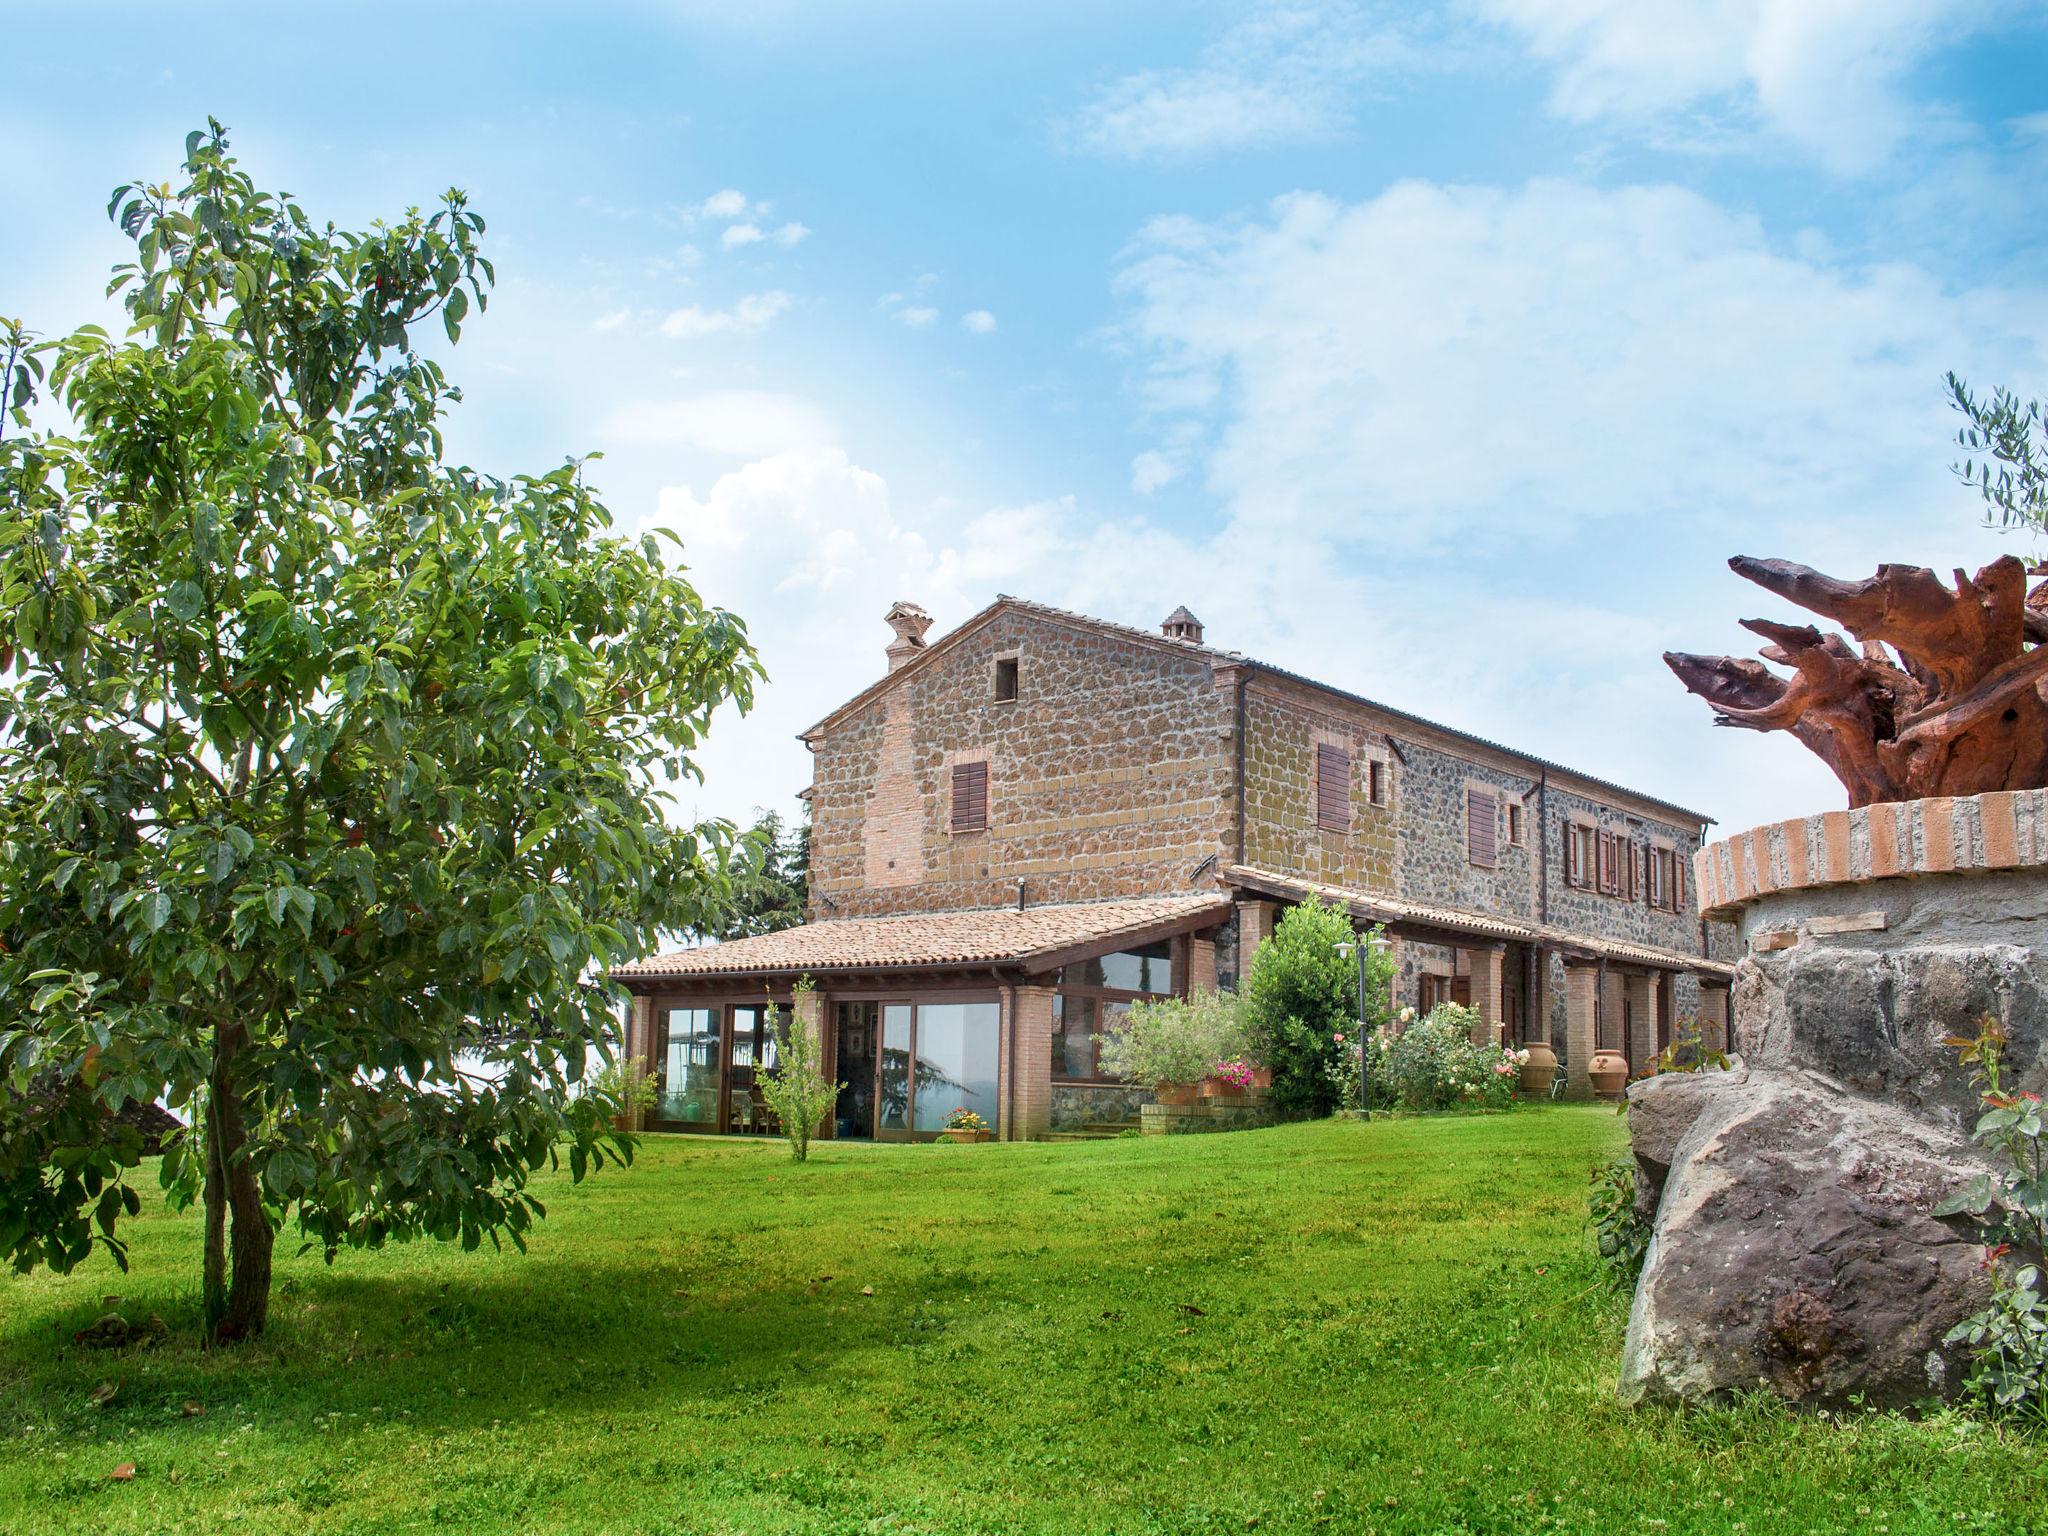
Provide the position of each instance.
(2007, 829)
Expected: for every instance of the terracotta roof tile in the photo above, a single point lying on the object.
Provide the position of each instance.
(988, 937)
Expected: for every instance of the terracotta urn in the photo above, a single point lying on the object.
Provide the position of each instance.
(1540, 1070)
(1175, 1095)
(1609, 1071)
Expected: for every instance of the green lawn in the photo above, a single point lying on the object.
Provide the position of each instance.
(1394, 1327)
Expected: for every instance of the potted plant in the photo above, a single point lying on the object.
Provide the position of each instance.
(1231, 1079)
(1174, 1044)
(965, 1125)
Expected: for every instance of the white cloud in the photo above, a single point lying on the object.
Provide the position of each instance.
(979, 321)
(1824, 73)
(754, 312)
(735, 423)
(729, 204)
(791, 234)
(741, 234)
(1150, 470)
(611, 320)
(915, 315)
(1589, 396)
(1283, 75)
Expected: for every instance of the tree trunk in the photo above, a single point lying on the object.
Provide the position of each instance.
(238, 1237)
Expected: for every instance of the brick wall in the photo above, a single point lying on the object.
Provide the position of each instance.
(1109, 775)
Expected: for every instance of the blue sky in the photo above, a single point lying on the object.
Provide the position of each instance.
(1443, 353)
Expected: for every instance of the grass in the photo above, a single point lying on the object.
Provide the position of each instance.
(1394, 1327)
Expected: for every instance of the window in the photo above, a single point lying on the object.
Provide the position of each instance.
(1482, 827)
(1581, 855)
(1514, 824)
(970, 797)
(1610, 863)
(1665, 884)
(956, 1062)
(1660, 859)
(1092, 998)
(1333, 788)
(1376, 782)
(1006, 680)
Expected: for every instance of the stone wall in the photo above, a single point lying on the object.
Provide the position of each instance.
(1109, 775)
(1089, 1106)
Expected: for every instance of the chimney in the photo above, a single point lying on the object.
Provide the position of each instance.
(1182, 625)
(910, 622)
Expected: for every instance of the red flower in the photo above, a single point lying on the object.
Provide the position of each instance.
(1993, 1255)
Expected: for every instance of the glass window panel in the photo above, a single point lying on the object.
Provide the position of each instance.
(1149, 969)
(1073, 1026)
(753, 1042)
(956, 1062)
(689, 1082)
(896, 1067)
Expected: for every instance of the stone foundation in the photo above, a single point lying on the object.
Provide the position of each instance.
(1794, 1242)
(1205, 1115)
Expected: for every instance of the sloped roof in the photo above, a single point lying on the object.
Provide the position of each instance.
(1383, 907)
(1219, 656)
(992, 936)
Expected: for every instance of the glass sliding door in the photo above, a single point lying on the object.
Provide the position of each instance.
(689, 1064)
(956, 1062)
(893, 1092)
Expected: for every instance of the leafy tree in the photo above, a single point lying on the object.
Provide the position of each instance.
(330, 774)
(771, 876)
(1300, 995)
(798, 1089)
(2007, 446)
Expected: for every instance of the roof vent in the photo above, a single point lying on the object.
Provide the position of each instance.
(1182, 625)
(910, 622)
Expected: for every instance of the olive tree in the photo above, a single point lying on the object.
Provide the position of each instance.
(332, 775)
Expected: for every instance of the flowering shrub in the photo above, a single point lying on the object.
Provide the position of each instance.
(1433, 1064)
(965, 1119)
(2009, 1339)
(1174, 1040)
(1344, 1068)
(1237, 1072)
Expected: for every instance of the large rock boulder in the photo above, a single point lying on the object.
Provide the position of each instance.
(1794, 1243)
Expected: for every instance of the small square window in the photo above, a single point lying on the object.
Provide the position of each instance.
(1006, 680)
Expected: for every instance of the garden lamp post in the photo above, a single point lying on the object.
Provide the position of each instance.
(1347, 948)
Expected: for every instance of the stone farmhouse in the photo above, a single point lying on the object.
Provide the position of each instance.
(1028, 823)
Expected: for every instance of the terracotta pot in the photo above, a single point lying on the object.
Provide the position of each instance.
(1220, 1088)
(1609, 1071)
(1540, 1070)
(1262, 1079)
(1175, 1095)
(965, 1133)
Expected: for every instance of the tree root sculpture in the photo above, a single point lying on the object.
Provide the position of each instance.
(1946, 695)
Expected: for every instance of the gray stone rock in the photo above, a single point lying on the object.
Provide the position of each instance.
(1660, 1111)
(1794, 1244)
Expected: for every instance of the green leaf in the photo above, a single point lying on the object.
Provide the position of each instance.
(185, 599)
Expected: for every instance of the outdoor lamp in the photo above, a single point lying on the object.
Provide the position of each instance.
(1377, 944)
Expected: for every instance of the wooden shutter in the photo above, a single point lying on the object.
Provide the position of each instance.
(1631, 858)
(1678, 862)
(970, 797)
(1333, 788)
(1482, 827)
(1654, 895)
(1571, 852)
(1607, 861)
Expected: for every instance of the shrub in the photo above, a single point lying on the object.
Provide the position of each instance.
(1433, 1064)
(2008, 1340)
(1175, 1040)
(628, 1083)
(1301, 1006)
(797, 1088)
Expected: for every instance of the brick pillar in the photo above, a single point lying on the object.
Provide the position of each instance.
(1641, 992)
(1713, 1017)
(1484, 966)
(1029, 1093)
(640, 1046)
(1581, 995)
(1613, 1026)
(1538, 1002)
(1255, 923)
(1201, 962)
(810, 1014)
